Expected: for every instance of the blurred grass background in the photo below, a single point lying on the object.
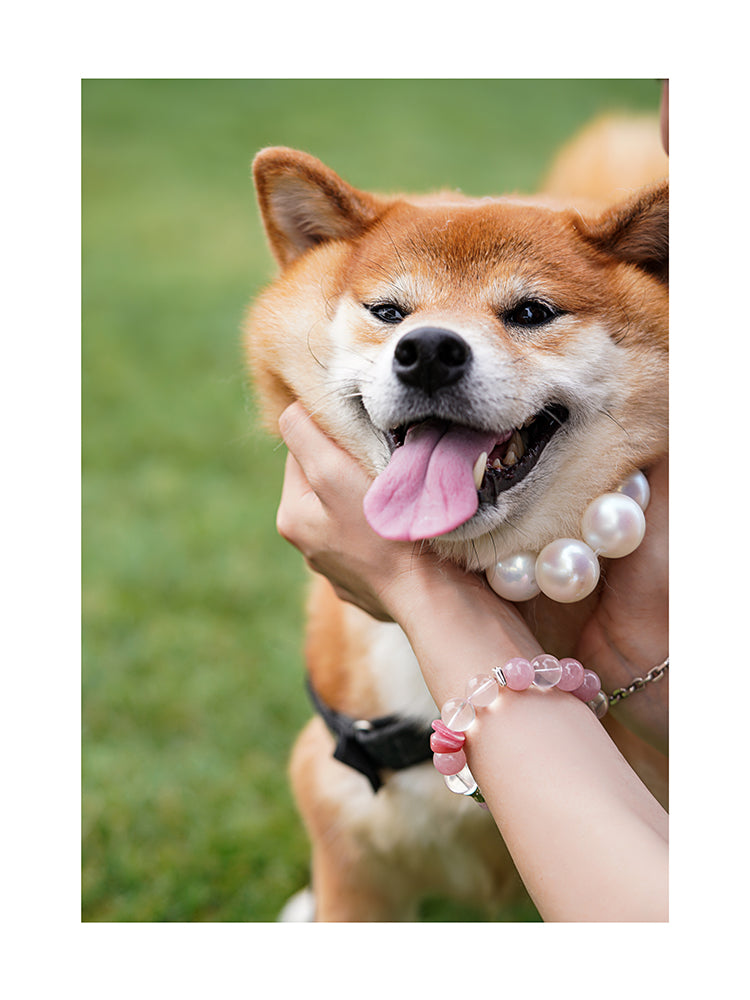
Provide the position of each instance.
(192, 672)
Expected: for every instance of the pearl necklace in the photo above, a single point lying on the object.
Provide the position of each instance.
(567, 570)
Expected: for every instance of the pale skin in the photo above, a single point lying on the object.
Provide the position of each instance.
(588, 838)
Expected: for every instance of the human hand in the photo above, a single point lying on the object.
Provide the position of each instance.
(321, 514)
(628, 631)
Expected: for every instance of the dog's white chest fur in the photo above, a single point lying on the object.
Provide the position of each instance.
(396, 675)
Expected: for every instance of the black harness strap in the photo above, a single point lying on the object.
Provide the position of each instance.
(369, 745)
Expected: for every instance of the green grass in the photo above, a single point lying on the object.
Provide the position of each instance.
(192, 666)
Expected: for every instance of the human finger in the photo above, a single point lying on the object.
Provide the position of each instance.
(309, 445)
(327, 467)
(298, 507)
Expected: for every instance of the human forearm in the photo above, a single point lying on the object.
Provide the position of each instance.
(586, 835)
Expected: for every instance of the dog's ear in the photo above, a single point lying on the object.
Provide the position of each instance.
(637, 231)
(304, 203)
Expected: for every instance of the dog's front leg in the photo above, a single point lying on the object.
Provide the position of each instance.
(352, 879)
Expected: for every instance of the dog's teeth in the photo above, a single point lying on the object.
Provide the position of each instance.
(480, 467)
(515, 450)
(529, 422)
(496, 464)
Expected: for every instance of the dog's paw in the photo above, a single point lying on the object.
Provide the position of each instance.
(299, 908)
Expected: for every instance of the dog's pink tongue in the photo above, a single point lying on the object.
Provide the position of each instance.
(428, 487)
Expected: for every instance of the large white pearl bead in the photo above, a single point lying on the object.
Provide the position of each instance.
(637, 487)
(613, 525)
(567, 570)
(513, 578)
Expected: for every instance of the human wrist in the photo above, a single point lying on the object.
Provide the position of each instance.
(456, 625)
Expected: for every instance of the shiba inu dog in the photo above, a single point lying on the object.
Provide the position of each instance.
(495, 364)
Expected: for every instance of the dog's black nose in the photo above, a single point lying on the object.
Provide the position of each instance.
(431, 358)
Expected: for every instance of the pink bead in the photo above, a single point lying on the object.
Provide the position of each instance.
(572, 674)
(590, 686)
(481, 690)
(442, 743)
(449, 763)
(519, 673)
(448, 736)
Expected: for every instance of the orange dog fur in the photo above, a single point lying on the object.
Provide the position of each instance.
(592, 250)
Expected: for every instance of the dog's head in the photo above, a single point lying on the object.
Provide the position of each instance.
(495, 363)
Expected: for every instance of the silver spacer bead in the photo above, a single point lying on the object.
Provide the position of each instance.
(499, 676)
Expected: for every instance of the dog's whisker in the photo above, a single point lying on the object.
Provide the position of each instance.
(614, 420)
(349, 349)
(552, 415)
(312, 353)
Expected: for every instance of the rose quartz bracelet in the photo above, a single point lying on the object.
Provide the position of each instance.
(457, 714)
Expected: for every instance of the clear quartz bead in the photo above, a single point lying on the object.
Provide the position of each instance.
(462, 783)
(547, 671)
(481, 690)
(458, 714)
(599, 705)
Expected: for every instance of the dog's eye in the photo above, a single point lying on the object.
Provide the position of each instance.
(530, 312)
(387, 312)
